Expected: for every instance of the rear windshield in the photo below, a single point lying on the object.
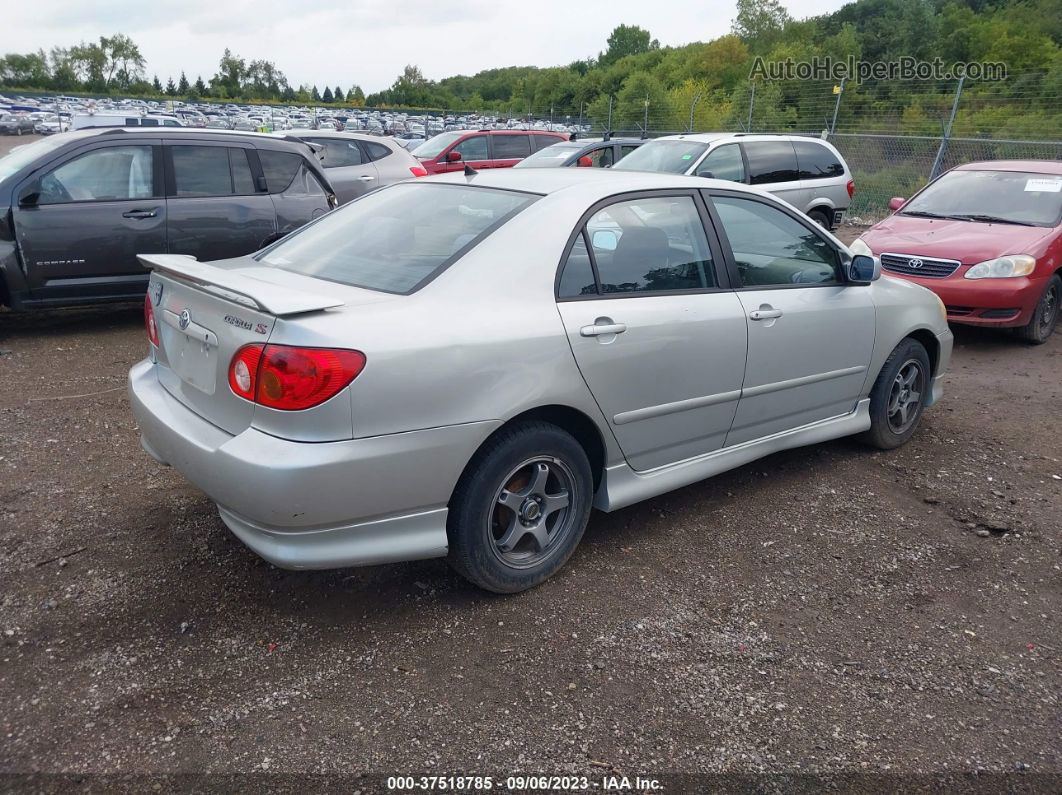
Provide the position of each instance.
(1015, 197)
(397, 239)
(672, 157)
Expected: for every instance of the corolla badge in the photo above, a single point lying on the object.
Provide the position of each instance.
(184, 319)
(915, 263)
(156, 290)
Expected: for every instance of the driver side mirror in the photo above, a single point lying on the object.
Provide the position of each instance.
(707, 174)
(452, 157)
(30, 195)
(863, 269)
(896, 202)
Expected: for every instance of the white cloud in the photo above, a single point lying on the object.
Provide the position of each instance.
(330, 42)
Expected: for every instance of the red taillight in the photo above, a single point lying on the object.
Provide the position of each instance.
(149, 322)
(418, 171)
(851, 188)
(288, 378)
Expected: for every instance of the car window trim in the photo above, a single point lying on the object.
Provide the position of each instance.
(728, 252)
(720, 270)
(38, 173)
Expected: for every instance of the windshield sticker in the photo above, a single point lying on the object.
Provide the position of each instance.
(687, 157)
(1043, 186)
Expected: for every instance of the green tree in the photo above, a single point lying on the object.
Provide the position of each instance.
(200, 87)
(182, 85)
(627, 40)
(338, 95)
(760, 22)
(315, 95)
(171, 89)
(156, 86)
(327, 96)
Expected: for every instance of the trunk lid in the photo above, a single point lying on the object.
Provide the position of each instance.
(205, 312)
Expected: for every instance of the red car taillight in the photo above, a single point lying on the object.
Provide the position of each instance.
(149, 322)
(418, 171)
(851, 188)
(288, 378)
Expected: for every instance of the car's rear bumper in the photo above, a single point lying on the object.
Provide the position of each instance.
(313, 505)
(1003, 303)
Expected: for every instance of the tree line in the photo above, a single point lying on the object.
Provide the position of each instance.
(703, 85)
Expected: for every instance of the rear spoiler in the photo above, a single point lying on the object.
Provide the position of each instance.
(238, 286)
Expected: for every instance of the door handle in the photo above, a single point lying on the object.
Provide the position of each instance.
(140, 214)
(366, 178)
(601, 330)
(765, 312)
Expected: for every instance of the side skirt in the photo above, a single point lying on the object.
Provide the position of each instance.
(622, 486)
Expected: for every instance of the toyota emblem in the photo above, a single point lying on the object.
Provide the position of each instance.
(184, 319)
(914, 263)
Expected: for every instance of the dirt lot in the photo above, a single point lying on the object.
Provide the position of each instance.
(826, 609)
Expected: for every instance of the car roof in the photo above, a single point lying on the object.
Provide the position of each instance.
(600, 181)
(1034, 166)
(711, 137)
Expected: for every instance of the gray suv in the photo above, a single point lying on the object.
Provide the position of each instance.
(809, 173)
(76, 208)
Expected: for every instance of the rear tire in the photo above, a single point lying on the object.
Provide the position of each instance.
(899, 395)
(1045, 317)
(821, 218)
(520, 508)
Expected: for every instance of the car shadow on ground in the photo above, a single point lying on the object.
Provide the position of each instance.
(81, 320)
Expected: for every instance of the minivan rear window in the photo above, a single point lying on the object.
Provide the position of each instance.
(397, 239)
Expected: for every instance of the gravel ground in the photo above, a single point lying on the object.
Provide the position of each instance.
(830, 609)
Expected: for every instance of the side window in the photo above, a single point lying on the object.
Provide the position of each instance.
(242, 179)
(815, 161)
(474, 148)
(542, 141)
(626, 150)
(339, 153)
(601, 158)
(305, 184)
(376, 151)
(201, 170)
(170, 123)
(149, 122)
(773, 249)
(507, 147)
(132, 122)
(112, 174)
(723, 163)
(279, 168)
(577, 278)
(651, 245)
(771, 161)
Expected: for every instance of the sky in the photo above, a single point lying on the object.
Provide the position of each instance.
(367, 42)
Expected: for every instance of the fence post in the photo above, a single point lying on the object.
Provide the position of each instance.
(837, 107)
(943, 150)
(609, 127)
(752, 101)
(645, 123)
(696, 99)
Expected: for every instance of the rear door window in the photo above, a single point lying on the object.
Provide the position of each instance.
(508, 147)
(279, 168)
(396, 239)
(201, 171)
(771, 161)
(815, 161)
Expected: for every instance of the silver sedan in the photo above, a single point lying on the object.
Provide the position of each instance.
(465, 365)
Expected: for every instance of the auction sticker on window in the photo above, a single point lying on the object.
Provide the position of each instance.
(1047, 185)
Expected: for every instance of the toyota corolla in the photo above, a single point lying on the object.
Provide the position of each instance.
(465, 365)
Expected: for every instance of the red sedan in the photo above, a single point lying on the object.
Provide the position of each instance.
(987, 239)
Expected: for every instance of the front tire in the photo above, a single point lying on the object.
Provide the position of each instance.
(520, 508)
(1045, 317)
(899, 395)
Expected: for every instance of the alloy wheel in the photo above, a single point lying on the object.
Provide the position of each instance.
(532, 514)
(905, 397)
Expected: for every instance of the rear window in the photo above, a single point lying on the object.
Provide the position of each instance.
(507, 147)
(771, 161)
(397, 239)
(815, 161)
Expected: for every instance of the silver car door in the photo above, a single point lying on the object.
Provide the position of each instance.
(810, 334)
(658, 335)
(347, 168)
